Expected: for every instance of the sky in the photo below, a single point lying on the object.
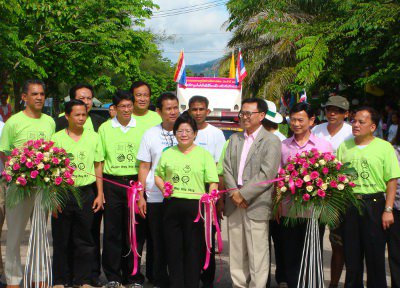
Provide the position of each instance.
(201, 33)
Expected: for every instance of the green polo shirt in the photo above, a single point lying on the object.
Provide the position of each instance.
(147, 121)
(187, 173)
(21, 128)
(85, 151)
(375, 164)
(120, 149)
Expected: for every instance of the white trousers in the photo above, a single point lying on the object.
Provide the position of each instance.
(17, 218)
(248, 250)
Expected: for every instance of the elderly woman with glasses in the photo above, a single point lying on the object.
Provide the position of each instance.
(188, 168)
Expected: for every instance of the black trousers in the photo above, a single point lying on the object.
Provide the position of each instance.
(364, 237)
(185, 242)
(275, 232)
(96, 227)
(207, 276)
(394, 250)
(293, 239)
(74, 224)
(117, 258)
(155, 224)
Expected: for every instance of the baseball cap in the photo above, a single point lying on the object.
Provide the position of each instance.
(338, 101)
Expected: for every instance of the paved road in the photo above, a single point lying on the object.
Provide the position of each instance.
(222, 261)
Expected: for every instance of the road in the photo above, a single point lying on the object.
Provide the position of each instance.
(222, 260)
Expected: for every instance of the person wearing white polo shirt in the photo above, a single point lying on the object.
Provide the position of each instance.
(155, 141)
(335, 131)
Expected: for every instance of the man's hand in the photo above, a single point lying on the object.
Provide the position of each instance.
(98, 204)
(387, 220)
(238, 200)
(142, 207)
(220, 208)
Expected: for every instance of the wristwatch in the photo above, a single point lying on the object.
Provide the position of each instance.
(388, 209)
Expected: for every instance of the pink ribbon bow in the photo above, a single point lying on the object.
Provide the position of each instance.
(133, 196)
(209, 201)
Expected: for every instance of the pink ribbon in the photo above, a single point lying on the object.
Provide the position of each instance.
(133, 196)
(210, 218)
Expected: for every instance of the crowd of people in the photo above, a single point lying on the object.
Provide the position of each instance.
(156, 147)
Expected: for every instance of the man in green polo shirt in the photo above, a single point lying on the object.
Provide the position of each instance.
(75, 223)
(29, 124)
(377, 169)
(120, 139)
(145, 119)
(84, 92)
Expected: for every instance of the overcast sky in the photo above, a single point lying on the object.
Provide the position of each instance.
(199, 33)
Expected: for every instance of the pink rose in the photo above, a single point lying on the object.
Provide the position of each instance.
(342, 178)
(46, 167)
(15, 152)
(327, 157)
(312, 160)
(333, 184)
(305, 172)
(22, 181)
(70, 181)
(314, 150)
(281, 184)
(67, 161)
(23, 159)
(294, 174)
(67, 174)
(290, 167)
(29, 164)
(314, 175)
(37, 161)
(306, 165)
(58, 180)
(338, 166)
(320, 182)
(34, 174)
(306, 197)
(39, 156)
(56, 150)
(352, 184)
(8, 178)
(55, 160)
(16, 166)
(321, 193)
(30, 142)
(298, 183)
(325, 170)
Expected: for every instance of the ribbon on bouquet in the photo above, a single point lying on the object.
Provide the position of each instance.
(210, 218)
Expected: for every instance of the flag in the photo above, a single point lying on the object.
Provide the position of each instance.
(240, 69)
(303, 97)
(232, 67)
(180, 72)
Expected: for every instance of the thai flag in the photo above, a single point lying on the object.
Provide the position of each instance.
(180, 72)
(241, 72)
(303, 97)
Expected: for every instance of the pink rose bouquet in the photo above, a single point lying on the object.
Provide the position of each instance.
(317, 181)
(39, 165)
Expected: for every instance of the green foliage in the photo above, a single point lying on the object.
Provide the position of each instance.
(327, 42)
(71, 41)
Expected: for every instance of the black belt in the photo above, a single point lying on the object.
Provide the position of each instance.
(121, 178)
(373, 196)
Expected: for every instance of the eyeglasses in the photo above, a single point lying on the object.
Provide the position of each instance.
(188, 132)
(246, 114)
(129, 106)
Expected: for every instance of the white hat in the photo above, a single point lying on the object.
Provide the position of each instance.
(271, 114)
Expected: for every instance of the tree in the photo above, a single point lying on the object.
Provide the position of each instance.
(70, 41)
(316, 44)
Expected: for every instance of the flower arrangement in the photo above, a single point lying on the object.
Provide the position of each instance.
(39, 165)
(317, 182)
(168, 189)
